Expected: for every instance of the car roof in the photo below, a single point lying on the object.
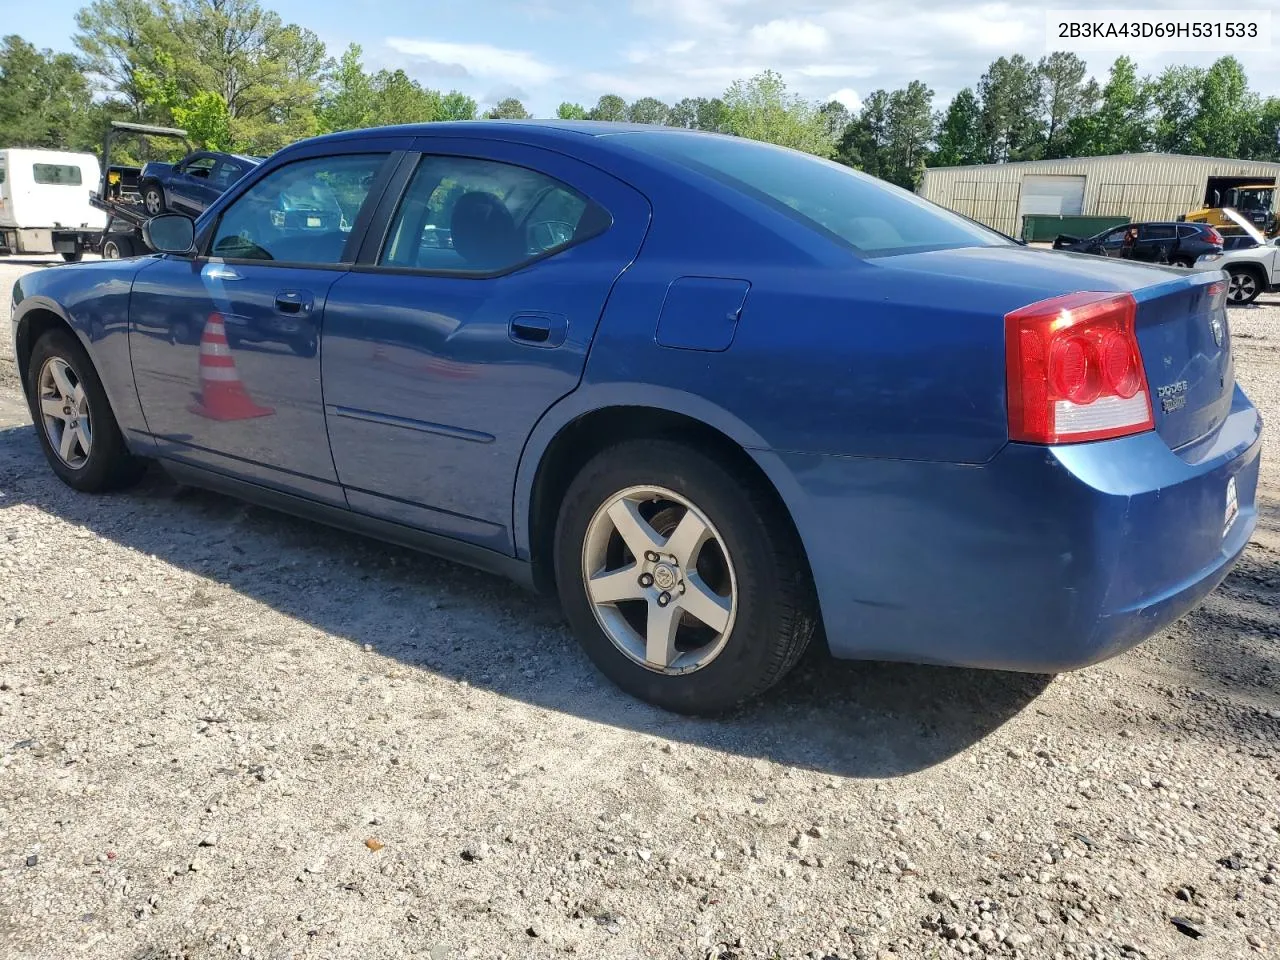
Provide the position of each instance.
(542, 129)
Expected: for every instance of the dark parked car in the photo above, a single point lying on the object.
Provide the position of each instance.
(1173, 243)
(721, 397)
(193, 183)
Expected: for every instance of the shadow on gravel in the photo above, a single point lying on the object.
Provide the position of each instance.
(849, 719)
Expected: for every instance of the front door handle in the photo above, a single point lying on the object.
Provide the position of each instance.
(293, 301)
(538, 329)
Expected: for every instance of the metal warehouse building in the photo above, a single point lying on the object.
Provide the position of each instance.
(1139, 186)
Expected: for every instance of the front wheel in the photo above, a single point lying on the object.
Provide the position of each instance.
(77, 429)
(1244, 287)
(685, 585)
(117, 248)
(153, 200)
(74, 256)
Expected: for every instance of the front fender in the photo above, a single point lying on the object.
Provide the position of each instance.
(590, 398)
(93, 300)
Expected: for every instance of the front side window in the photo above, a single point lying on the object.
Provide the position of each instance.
(300, 213)
(1, 174)
(479, 216)
(199, 167)
(63, 174)
(858, 211)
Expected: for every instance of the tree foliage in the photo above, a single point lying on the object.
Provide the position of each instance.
(762, 109)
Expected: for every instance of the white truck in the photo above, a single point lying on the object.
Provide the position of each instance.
(44, 203)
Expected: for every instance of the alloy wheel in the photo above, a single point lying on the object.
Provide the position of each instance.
(659, 579)
(64, 412)
(1243, 287)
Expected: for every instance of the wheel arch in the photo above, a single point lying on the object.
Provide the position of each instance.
(578, 428)
(31, 324)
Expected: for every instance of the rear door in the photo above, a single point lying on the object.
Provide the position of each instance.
(1155, 242)
(469, 314)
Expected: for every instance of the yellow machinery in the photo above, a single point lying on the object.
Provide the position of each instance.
(1255, 202)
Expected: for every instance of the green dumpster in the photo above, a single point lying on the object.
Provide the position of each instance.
(1044, 227)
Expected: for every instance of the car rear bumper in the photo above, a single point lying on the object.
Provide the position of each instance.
(1044, 559)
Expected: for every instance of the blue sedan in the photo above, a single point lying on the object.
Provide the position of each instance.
(721, 397)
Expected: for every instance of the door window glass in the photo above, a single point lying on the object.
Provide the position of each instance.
(481, 216)
(199, 167)
(300, 213)
(226, 174)
(1158, 231)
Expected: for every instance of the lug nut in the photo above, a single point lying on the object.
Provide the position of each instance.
(664, 598)
(646, 579)
(651, 556)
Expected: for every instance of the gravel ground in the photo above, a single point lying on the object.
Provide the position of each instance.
(224, 732)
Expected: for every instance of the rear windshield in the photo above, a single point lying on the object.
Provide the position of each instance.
(60, 173)
(868, 215)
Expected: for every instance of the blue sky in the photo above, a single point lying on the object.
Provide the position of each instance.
(546, 51)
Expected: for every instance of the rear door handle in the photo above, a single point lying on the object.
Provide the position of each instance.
(294, 301)
(538, 329)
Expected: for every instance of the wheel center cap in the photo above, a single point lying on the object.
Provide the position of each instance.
(664, 578)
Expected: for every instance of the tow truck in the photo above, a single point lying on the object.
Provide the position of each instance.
(118, 194)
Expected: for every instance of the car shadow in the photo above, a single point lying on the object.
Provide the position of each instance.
(864, 719)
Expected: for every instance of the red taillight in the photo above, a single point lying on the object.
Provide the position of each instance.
(1214, 236)
(1075, 370)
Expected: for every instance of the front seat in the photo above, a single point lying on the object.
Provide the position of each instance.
(484, 232)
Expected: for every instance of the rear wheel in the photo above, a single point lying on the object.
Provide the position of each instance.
(73, 257)
(1244, 287)
(117, 248)
(684, 585)
(77, 430)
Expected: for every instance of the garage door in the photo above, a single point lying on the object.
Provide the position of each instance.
(1057, 196)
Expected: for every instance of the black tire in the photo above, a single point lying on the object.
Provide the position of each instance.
(1245, 286)
(73, 257)
(153, 201)
(777, 606)
(109, 464)
(117, 248)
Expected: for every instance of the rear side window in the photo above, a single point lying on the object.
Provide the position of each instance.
(1158, 231)
(1186, 233)
(2, 172)
(868, 215)
(466, 215)
(63, 174)
(299, 213)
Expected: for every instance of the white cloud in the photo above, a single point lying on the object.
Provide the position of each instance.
(478, 60)
(846, 95)
(780, 37)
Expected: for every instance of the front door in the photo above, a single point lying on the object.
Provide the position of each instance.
(449, 340)
(225, 346)
(187, 191)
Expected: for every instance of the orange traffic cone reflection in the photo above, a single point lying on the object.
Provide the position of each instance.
(222, 394)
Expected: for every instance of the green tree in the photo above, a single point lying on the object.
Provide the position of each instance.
(508, 109)
(866, 140)
(119, 41)
(1225, 113)
(761, 109)
(1012, 101)
(400, 99)
(206, 120)
(1066, 95)
(571, 111)
(609, 107)
(1175, 97)
(835, 117)
(456, 105)
(347, 102)
(960, 132)
(909, 130)
(1121, 124)
(44, 99)
(648, 110)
